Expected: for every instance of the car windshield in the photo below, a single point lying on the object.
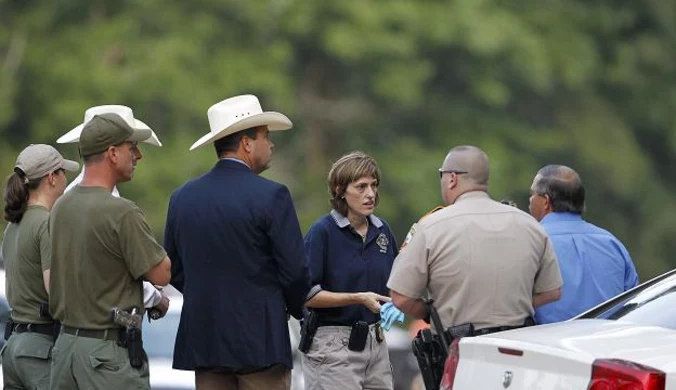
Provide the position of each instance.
(159, 336)
(650, 303)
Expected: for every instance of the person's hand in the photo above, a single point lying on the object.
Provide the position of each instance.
(388, 314)
(372, 300)
(158, 311)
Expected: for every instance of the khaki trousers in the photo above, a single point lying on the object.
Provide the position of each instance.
(277, 377)
(89, 363)
(26, 361)
(329, 365)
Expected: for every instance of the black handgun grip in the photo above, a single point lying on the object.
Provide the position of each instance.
(308, 328)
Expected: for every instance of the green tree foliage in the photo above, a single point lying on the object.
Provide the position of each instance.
(585, 84)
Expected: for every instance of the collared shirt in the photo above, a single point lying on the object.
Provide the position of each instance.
(342, 262)
(595, 266)
(481, 262)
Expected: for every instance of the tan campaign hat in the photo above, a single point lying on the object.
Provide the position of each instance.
(106, 130)
(38, 160)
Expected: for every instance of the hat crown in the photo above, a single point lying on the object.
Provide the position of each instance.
(37, 160)
(103, 131)
(229, 111)
(123, 112)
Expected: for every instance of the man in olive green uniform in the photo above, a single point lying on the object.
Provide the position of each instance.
(38, 180)
(102, 249)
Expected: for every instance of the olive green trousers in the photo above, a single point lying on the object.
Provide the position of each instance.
(88, 363)
(26, 361)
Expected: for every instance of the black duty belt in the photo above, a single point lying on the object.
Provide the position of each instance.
(331, 323)
(46, 329)
(112, 334)
(495, 329)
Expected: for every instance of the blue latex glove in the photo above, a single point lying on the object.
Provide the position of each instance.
(388, 314)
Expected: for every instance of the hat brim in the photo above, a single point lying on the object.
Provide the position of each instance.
(70, 165)
(140, 135)
(273, 120)
(153, 140)
(73, 136)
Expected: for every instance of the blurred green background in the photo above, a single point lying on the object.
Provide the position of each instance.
(586, 84)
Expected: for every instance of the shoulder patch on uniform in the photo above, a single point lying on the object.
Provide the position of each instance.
(411, 231)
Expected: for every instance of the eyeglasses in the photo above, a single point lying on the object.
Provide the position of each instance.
(442, 171)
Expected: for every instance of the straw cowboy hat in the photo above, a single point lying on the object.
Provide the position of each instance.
(239, 113)
(123, 111)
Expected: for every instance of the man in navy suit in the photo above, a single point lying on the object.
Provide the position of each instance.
(238, 257)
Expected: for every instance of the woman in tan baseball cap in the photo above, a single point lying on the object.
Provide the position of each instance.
(38, 180)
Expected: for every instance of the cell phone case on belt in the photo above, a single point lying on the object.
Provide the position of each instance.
(358, 336)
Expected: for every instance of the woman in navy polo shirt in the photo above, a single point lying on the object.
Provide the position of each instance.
(350, 252)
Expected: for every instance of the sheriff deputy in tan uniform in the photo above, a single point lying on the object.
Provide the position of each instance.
(482, 262)
(102, 249)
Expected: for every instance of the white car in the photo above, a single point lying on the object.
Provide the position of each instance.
(626, 343)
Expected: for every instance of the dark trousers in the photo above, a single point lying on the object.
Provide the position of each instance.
(277, 377)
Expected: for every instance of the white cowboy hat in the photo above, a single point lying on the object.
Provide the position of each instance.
(240, 113)
(123, 111)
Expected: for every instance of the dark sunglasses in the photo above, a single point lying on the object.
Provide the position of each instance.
(442, 171)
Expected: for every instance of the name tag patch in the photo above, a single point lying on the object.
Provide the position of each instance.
(382, 242)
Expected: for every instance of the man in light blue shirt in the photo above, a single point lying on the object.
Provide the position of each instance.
(594, 264)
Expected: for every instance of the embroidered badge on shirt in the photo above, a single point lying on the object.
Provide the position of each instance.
(382, 242)
(411, 232)
(409, 236)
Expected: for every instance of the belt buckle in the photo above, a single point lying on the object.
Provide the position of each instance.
(380, 336)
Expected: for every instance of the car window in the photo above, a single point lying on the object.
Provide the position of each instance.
(649, 304)
(159, 336)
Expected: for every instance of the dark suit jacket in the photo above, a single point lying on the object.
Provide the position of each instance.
(238, 258)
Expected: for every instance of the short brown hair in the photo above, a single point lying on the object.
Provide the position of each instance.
(351, 167)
